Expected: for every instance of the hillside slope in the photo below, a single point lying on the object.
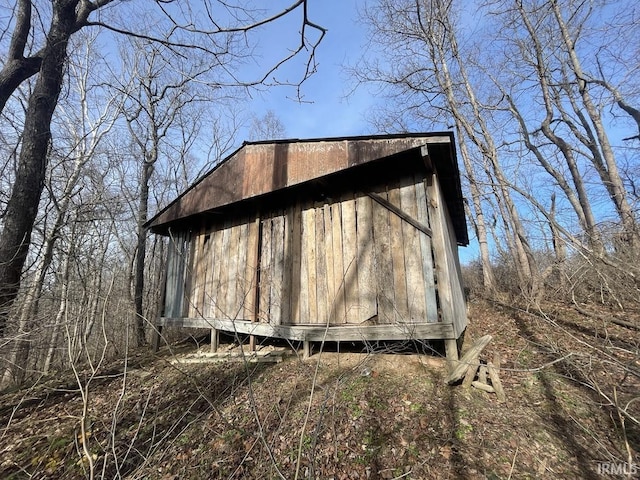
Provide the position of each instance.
(377, 414)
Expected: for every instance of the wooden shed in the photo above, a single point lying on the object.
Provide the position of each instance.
(335, 239)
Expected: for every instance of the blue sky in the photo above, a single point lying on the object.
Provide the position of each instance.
(326, 111)
(331, 107)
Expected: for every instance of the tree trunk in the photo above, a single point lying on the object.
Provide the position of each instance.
(478, 221)
(62, 310)
(559, 246)
(17, 69)
(22, 207)
(578, 197)
(143, 208)
(478, 133)
(603, 153)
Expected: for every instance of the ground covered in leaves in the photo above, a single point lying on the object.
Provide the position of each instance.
(382, 413)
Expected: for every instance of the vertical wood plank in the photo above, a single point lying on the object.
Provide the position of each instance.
(240, 281)
(412, 254)
(171, 284)
(191, 280)
(250, 273)
(424, 215)
(309, 256)
(328, 252)
(397, 256)
(244, 259)
(298, 271)
(450, 248)
(209, 278)
(287, 294)
(338, 313)
(207, 260)
(234, 268)
(202, 274)
(265, 271)
(218, 256)
(204, 260)
(276, 308)
(183, 240)
(321, 267)
(232, 264)
(225, 261)
(188, 275)
(195, 300)
(367, 303)
(199, 294)
(383, 263)
(349, 258)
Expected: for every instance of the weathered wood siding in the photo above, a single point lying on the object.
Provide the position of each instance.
(213, 273)
(349, 260)
(177, 259)
(450, 291)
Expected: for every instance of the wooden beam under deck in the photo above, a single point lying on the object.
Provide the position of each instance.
(317, 333)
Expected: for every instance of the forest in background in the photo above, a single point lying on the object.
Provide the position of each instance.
(130, 113)
(103, 121)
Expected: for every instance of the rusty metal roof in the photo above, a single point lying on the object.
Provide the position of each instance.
(262, 168)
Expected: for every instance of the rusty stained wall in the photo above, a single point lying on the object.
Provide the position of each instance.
(261, 168)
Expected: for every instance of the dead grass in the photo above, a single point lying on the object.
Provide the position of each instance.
(371, 415)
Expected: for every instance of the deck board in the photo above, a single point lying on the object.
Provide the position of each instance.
(316, 332)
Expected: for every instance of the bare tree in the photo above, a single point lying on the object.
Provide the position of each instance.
(478, 219)
(85, 127)
(156, 105)
(529, 93)
(267, 127)
(429, 75)
(544, 47)
(191, 30)
(595, 136)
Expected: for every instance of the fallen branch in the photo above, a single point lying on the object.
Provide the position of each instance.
(492, 370)
(619, 322)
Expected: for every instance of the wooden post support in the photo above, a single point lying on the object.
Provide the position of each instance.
(252, 343)
(482, 386)
(470, 376)
(482, 374)
(214, 340)
(451, 351)
(469, 358)
(306, 349)
(492, 369)
(157, 335)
